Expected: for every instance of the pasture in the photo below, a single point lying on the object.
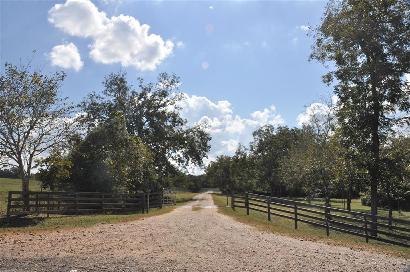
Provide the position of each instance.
(304, 232)
(9, 184)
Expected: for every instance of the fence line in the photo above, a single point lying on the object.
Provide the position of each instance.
(169, 198)
(81, 202)
(388, 230)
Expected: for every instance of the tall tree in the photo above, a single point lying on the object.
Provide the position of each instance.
(152, 114)
(369, 44)
(33, 118)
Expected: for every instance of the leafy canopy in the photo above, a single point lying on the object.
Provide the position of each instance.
(151, 114)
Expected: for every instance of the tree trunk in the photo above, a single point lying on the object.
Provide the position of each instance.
(25, 190)
(327, 201)
(373, 203)
(349, 196)
(374, 171)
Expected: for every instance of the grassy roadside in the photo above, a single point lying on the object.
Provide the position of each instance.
(183, 197)
(306, 232)
(34, 224)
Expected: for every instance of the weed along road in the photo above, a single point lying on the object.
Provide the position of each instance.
(194, 237)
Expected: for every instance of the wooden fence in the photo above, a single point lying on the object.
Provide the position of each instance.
(169, 198)
(389, 230)
(80, 202)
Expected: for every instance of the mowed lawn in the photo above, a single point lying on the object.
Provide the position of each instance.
(8, 184)
(285, 226)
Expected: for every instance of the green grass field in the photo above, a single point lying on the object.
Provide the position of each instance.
(62, 221)
(358, 207)
(7, 184)
(305, 232)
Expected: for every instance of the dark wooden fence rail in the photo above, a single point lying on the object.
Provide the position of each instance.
(393, 231)
(81, 202)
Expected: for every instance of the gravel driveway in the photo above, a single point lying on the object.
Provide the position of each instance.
(186, 239)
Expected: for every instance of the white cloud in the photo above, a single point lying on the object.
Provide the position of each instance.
(126, 41)
(78, 18)
(118, 39)
(226, 128)
(66, 56)
(211, 7)
(318, 111)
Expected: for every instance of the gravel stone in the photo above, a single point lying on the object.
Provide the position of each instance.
(182, 240)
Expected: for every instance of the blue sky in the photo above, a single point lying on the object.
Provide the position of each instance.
(243, 64)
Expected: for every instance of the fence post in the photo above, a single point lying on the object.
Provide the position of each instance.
(126, 206)
(296, 216)
(269, 218)
(143, 203)
(247, 203)
(76, 202)
(233, 201)
(365, 229)
(37, 204)
(102, 202)
(8, 205)
(162, 198)
(327, 220)
(48, 204)
(390, 218)
(148, 202)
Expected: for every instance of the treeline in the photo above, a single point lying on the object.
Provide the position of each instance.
(11, 172)
(134, 140)
(299, 162)
(123, 139)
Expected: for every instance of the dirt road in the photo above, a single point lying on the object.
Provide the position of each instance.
(186, 239)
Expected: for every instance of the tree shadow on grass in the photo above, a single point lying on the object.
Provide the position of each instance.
(20, 222)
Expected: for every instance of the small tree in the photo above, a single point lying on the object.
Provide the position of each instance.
(33, 118)
(319, 156)
(109, 159)
(219, 171)
(269, 147)
(55, 171)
